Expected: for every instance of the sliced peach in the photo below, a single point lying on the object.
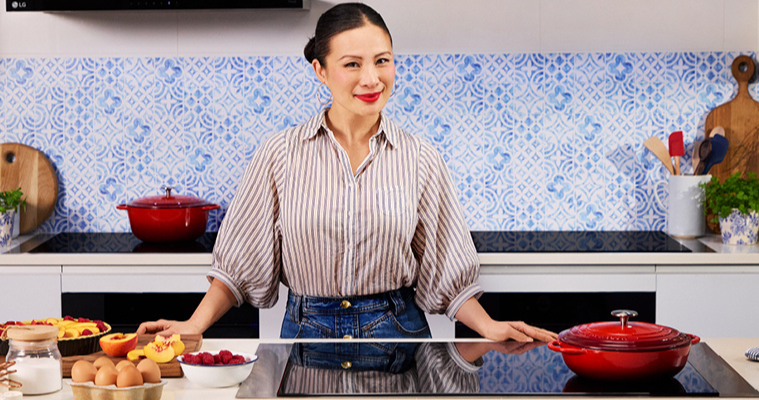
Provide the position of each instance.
(135, 354)
(118, 344)
(159, 353)
(61, 333)
(64, 324)
(72, 333)
(85, 325)
(174, 341)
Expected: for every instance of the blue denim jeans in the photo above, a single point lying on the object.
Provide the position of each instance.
(392, 357)
(390, 315)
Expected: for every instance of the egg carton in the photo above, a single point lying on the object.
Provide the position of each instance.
(89, 391)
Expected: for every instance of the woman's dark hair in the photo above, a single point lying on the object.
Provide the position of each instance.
(340, 18)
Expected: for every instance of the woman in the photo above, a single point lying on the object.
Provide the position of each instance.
(357, 217)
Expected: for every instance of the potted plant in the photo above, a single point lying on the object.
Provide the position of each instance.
(10, 201)
(735, 203)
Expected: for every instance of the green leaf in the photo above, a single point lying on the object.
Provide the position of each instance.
(735, 192)
(11, 200)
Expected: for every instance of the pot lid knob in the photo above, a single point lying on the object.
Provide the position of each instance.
(167, 189)
(624, 315)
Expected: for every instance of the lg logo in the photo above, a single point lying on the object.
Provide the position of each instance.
(17, 4)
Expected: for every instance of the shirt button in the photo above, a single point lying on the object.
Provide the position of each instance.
(347, 337)
(346, 364)
(345, 304)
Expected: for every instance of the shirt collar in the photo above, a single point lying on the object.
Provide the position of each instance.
(386, 127)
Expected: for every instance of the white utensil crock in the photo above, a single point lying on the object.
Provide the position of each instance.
(685, 207)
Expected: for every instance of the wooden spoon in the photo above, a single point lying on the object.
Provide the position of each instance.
(656, 146)
(696, 155)
(718, 130)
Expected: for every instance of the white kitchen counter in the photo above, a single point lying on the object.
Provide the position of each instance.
(707, 251)
(730, 349)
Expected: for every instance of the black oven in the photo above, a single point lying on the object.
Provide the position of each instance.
(125, 310)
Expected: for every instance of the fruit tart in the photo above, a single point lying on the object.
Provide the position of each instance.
(76, 336)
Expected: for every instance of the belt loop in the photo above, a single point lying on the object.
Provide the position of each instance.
(397, 301)
(294, 307)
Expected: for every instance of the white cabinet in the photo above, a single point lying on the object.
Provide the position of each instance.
(134, 279)
(28, 292)
(709, 301)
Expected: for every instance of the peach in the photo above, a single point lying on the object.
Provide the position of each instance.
(71, 333)
(135, 354)
(118, 344)
(174, 341)
(159, 352)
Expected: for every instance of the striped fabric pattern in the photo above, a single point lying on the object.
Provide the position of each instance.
(753, 354)
(301, 216)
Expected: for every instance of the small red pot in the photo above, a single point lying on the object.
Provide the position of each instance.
(624, 351)
(168, 218)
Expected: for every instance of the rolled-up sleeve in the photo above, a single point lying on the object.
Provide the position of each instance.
(247, 254)
(448, 262)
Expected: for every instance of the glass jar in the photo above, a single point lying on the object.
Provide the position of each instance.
(38, 366)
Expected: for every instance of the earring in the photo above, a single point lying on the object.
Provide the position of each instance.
(319, 97)
(395, 89)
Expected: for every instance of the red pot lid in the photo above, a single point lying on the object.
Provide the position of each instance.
(168, 200)
(624, 336)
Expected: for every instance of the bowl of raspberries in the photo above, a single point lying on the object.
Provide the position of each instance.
(217, 369)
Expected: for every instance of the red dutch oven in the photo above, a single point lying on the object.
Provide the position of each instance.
(168, 218)
(624, 351)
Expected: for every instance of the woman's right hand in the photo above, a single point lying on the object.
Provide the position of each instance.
(217, 301)
(165, 327)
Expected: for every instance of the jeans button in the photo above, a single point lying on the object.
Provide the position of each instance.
(346, 364)
(347, 337)
(345, 304)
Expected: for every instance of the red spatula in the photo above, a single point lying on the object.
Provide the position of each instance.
(676, 148)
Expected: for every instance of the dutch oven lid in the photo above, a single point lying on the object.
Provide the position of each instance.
(624, 336)
(168, 200)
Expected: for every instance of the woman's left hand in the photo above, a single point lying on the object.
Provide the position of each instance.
(517, 330)
(476, 318)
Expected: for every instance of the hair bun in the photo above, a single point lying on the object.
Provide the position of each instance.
(310, 50)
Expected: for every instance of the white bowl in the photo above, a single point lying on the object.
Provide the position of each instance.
(218, 375)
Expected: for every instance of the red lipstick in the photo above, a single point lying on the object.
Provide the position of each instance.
(369, 97)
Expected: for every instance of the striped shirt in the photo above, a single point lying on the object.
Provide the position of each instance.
(302, 217)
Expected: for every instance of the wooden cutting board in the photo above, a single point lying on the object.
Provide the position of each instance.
(740, 119)
(170, 369)
(25, 167)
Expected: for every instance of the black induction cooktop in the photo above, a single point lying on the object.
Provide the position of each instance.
(71, 242)
(461, 368)
(575, 242)
(484, 241)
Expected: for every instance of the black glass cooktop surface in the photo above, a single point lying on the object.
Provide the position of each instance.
(71, 242)
(575, 242)
(461, 368)
(484, 241)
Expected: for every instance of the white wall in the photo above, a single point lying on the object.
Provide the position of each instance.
(418, 26)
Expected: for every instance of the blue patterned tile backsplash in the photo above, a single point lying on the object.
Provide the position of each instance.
(533, 141)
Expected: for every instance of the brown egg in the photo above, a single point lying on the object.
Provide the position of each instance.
(106, 376)
(103, 361)
(150, 371)
(129, 376)
(83, 371)
(122, 364)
